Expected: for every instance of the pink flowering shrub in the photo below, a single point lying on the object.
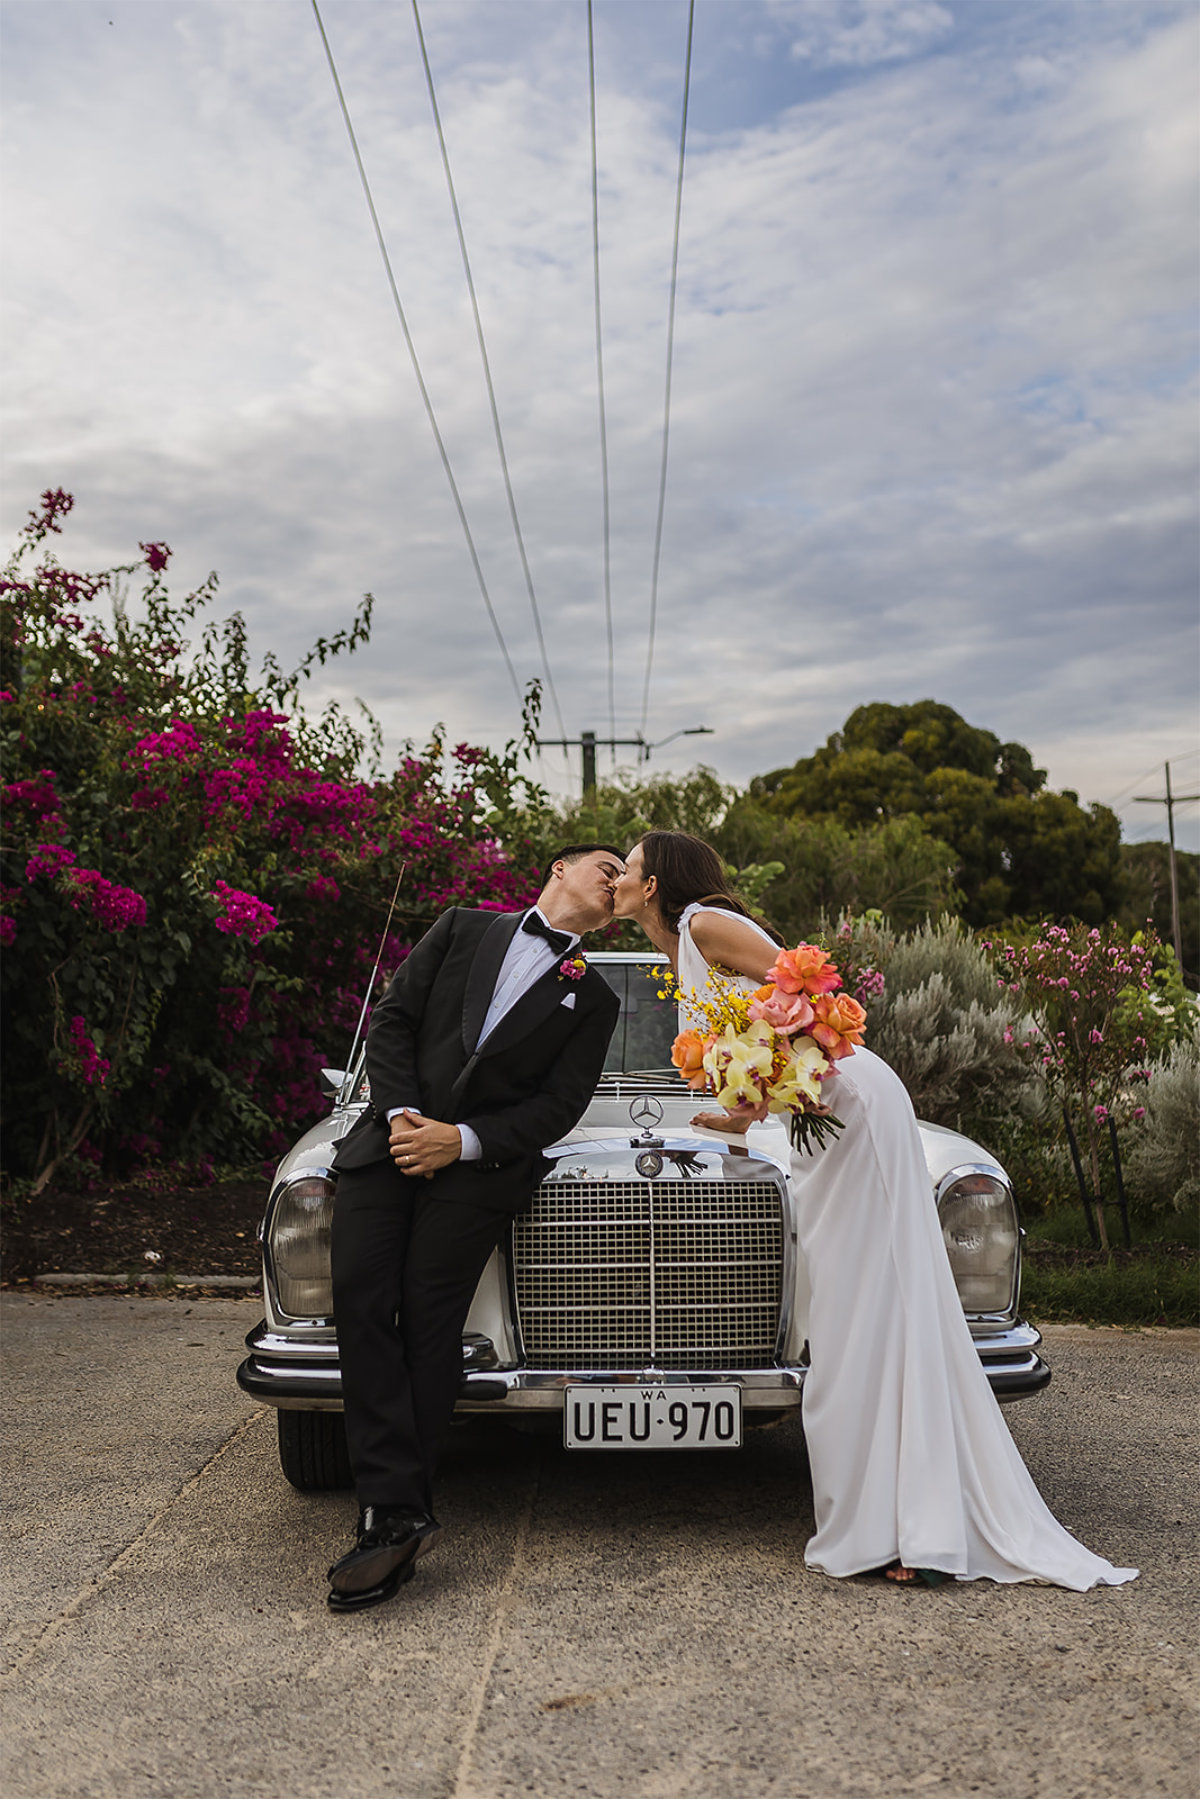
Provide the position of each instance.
(195, 872)
(1088, 994)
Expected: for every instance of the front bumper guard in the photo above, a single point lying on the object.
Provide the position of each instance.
(298, 1374)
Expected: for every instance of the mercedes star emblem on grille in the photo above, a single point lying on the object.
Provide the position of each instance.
(646, 1110)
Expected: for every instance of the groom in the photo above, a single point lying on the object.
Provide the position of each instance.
(486, 1047)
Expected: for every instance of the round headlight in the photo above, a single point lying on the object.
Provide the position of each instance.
(979, 1225)
(299, 1244)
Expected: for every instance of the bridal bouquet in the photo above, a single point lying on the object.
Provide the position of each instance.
(770, 1051)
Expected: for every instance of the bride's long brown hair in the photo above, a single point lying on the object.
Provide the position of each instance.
(690, 872)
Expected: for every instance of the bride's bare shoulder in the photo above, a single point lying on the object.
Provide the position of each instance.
(725, 938)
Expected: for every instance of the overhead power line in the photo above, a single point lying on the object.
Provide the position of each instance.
(487, 375)
(608, 618)
(662, 478)
(412, 351)
(1147, 775)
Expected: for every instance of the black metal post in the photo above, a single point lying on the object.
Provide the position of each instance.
(1084, 1195)
(1116, 1156)
(587, 743)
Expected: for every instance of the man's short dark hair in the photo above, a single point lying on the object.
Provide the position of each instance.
(575, 852)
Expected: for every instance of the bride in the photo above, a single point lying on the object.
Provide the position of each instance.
(913, 1468)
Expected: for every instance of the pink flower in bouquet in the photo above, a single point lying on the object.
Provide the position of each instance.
(687, 1053)
(786, 1012)
(839, 1025)
(805, 969)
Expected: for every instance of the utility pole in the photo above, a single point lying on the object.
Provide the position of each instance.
(1170, 801)
(587, 742)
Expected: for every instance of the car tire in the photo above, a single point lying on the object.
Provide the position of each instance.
(313, 1452)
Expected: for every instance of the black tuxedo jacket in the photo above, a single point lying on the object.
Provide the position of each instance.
(527, 1086)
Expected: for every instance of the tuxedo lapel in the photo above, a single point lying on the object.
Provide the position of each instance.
(483, 975)
(532, 1007)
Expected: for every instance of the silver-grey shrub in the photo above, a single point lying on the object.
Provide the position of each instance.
(1162, 1153)
(945, 1025)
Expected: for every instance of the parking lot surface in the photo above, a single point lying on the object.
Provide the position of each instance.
(632, 1624)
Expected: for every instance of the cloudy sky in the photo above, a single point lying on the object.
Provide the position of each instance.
(933, 411)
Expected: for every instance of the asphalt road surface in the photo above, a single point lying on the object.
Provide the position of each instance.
(592, 1624)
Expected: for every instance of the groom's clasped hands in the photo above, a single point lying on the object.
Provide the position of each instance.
(420, 1145)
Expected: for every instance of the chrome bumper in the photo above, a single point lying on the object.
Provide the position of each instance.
(302, 1374)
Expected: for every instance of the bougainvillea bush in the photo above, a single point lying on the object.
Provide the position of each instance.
(195, 873)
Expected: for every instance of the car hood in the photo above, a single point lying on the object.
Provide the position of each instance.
(609, 1121)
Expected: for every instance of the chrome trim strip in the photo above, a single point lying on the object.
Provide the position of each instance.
(264, 1341)
(1016, 1337)
(319, 1388)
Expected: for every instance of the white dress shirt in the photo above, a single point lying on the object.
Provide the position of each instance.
(526, 960)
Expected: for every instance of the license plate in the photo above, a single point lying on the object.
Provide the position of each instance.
(653, 1417)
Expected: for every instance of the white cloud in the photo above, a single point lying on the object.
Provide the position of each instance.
(837, 33)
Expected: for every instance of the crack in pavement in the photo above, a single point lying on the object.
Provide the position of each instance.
(108, 1574)
(464, 1786)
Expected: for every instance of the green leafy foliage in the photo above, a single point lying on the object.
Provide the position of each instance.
(1017, 848)
(791, 870)
(827, 868)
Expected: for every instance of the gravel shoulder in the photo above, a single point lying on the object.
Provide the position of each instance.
(593, 1625)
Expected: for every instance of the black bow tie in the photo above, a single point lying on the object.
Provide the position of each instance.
(559, 941)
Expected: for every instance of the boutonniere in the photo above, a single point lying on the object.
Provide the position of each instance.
(573, 969)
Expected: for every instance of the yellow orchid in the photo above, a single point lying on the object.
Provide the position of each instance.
(739, 1065)
(800, 1079)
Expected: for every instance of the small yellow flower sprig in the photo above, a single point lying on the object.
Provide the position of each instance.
(667, 977)
(728, 1006)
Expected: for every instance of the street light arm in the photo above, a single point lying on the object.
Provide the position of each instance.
(692, 731)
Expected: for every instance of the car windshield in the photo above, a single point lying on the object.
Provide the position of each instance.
(647, 1025)
(640, 1044)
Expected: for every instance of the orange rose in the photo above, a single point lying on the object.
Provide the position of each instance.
(805, 969)
(687, 1053)
(839, 1026)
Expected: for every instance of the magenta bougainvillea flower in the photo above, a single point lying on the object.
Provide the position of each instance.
(115, 907)
(241, 915)
(93, 1066)
(48, 859)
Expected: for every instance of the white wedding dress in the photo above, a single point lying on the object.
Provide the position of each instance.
(911, 1458)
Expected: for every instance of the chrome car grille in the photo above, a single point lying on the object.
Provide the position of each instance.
(634, 1274)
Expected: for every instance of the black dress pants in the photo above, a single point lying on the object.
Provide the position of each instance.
(405, 1267)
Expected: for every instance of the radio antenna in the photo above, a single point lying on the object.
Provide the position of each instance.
(371, 983)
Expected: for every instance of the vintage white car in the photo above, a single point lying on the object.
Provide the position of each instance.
(651, 1297)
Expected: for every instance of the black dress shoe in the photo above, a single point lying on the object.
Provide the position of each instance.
(361, 1598)
(387, 1545)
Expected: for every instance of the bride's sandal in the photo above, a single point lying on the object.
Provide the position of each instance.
(900, 1576)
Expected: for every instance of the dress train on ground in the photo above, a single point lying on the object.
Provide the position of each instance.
(911, 1458)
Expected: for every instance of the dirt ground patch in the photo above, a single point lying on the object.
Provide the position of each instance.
(124, 1228)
